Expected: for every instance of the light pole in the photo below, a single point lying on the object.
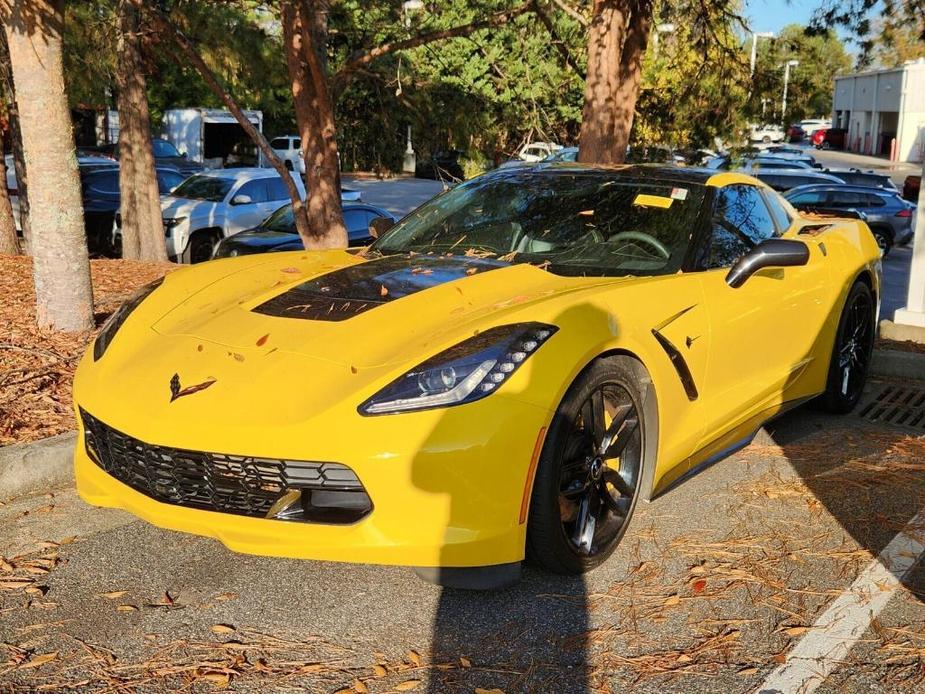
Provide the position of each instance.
(783, 104)
(755, 36)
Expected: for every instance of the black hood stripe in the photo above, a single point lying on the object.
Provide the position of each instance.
(355, 289)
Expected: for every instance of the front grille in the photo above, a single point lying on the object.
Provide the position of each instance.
(242, 485)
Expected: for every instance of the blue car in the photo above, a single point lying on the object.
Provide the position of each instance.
(278, 232)
(888, 215)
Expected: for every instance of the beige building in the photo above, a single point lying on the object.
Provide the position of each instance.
(879, 106)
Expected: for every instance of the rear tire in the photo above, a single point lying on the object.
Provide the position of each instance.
(884, 240)
(589, 476)
(854, 344)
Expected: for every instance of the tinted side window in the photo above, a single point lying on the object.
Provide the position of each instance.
(743, 207)
(874, 200)
(812, 198)
(276, 189)
(725, 248)
(255, 190)
(279, 143)
(848, 199)
(297, 144)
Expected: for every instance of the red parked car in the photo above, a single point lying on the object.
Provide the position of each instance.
(911, 187)
(795, 133)
(829, 138)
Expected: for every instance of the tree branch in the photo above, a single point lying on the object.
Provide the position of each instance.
(571, 12)
(365, 57)
(556, 39)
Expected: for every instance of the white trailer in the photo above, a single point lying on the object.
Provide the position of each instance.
(212, 136)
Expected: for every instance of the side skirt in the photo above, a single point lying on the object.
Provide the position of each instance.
(734, 447)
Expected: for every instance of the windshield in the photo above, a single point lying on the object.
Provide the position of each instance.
(162, 148)
(281, 220)
(594, 224)
(199, 187)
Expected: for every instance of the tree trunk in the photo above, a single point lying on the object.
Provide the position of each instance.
(60, 268)
(9, 244)
(142, 226)
(164, 26)
(617, 40)
(315, 118)
(19, 160)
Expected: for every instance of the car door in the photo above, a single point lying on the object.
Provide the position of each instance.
(763, 333)
(242, 216)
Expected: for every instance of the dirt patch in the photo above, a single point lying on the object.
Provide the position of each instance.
(36, 365)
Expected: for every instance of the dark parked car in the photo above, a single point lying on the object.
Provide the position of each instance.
(888, 215)
(911, 187)
(786, 179)
(795, 133)
(856, 177)
(278, 233)
(442, 166)
(101, 201)
(830, 138)
(165, 154)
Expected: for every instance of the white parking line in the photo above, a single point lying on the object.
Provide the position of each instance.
(828, 641)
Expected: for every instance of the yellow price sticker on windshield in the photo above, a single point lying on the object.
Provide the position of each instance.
(644, 200)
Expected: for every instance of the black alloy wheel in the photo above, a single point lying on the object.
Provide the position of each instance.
(854, 343)
(589, 476)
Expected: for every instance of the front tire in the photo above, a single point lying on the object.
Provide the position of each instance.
(590, 471)
(854, 344)
(199, 248)
(884, 240)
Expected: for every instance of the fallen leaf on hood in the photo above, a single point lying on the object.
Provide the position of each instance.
(291, 269)
(263, 340)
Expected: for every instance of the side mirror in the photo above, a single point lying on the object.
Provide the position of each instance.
(241, 199)
(768, 253)
(380, 225)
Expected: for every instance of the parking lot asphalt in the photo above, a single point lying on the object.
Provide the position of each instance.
(713, 586)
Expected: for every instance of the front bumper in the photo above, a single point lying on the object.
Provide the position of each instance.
(446, 492)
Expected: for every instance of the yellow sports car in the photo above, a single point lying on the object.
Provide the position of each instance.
(503, 374)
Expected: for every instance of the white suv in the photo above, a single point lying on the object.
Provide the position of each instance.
(289, 149)
(211, 205)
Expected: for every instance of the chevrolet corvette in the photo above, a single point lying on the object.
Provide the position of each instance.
(502, 375)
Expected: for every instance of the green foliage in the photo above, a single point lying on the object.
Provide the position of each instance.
(822, 56)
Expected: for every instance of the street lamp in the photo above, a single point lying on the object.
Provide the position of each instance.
(755, 36)
(783, 104)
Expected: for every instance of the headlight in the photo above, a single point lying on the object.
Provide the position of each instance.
(115, 321)
(469, 371)
(171, 222)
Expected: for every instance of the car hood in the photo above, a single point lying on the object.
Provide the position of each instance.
(340, 307)
(184, 207)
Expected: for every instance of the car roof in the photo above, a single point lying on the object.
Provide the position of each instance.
(246, 173)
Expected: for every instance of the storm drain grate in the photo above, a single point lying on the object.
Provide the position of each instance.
(898, 405)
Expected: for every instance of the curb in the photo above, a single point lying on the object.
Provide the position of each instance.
(40, 465)
(894, 363)
(36, 466)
